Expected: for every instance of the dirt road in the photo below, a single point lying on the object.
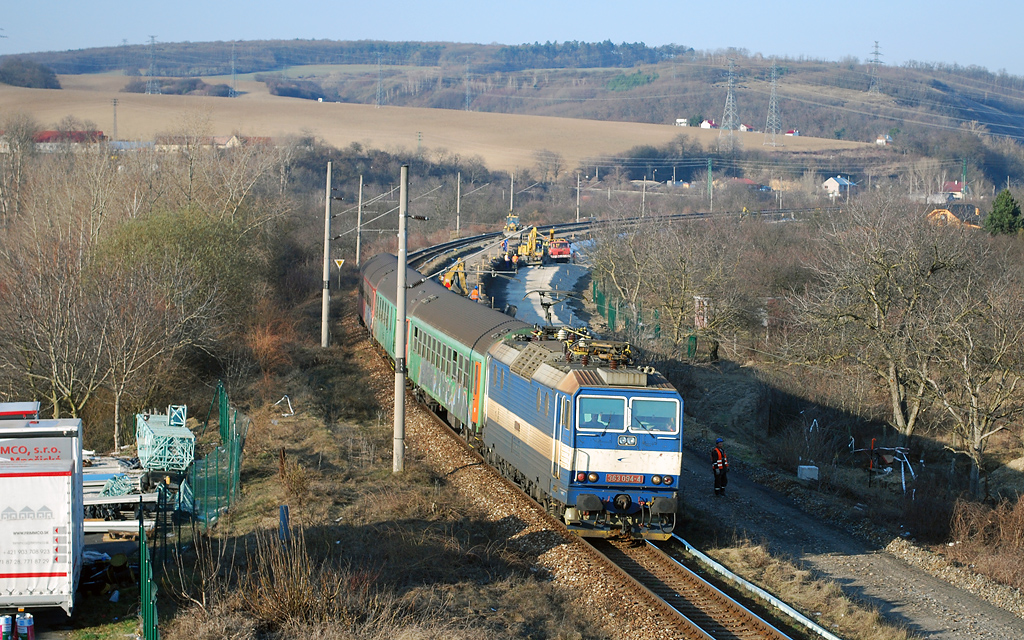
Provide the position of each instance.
(929, 606)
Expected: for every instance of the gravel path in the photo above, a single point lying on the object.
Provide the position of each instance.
(905, 583)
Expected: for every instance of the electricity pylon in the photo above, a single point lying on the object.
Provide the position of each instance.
(730, 119)
(773, 127)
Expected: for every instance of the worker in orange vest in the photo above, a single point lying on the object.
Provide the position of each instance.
(720, 467)
(515, 262)
(475, 293)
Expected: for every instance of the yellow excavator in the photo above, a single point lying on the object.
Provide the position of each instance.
(531, 248)
(455, 278)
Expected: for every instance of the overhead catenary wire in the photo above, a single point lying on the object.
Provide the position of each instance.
(392, 210)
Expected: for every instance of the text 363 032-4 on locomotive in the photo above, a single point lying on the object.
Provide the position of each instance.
(597, 442)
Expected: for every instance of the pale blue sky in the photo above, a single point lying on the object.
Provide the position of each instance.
(985, 33)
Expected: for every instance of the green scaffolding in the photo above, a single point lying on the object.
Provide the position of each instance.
(165, 443)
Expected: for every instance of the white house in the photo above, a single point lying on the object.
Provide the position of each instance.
(837, 186)
(883, 140)
(682, 122)
(746, 127)
(793, 132)
(708, 124)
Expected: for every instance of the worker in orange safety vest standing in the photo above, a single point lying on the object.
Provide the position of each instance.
(720, 467)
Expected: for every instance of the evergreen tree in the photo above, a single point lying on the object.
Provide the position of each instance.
(1005, 216)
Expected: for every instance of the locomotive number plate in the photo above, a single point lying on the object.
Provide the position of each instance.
(622, 477)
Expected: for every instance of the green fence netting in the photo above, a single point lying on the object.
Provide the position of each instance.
(212, 483)
(147, 590)
(608, 306)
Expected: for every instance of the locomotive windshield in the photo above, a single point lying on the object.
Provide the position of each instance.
(654, 415)
(601, 413)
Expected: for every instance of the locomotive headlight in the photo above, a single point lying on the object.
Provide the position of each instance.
(656, 479)
(627, 441)
(592, 477)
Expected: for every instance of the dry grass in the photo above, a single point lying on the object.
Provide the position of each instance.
(820, 600)
(990, 539)
(371, 555)
(504, 141)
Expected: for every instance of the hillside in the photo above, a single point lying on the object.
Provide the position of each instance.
(584, 101)
(606, 81)
(502, 141)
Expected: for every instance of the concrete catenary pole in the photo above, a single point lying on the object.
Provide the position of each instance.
(326, 311)
(577, 197)
(458, 193)
(359, 222)
(403, 257)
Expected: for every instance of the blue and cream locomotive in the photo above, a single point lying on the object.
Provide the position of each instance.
(597, 442)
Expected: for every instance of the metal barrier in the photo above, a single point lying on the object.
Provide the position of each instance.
(147, 590)
(607, 308)
(213, 480)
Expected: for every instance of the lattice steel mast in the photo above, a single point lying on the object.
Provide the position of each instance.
(875, 61)
(773, 126)
(380, 82)
(730, 119)
(467, 84)
(152, 86)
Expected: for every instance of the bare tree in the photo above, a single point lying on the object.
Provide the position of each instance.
(233, 174)
(880, 271)
(18, 145)
(49, 341)
(623, 260)
(150, 312)
(189, 145)
(549, 164)
(978, 343)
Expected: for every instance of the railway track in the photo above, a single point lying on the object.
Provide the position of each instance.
(662, 619)
(459, 246)
(678, 602)
(707, 608)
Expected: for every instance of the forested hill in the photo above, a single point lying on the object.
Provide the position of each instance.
(930, 109)
(216, 58)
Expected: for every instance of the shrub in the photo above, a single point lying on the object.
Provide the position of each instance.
(19, 72)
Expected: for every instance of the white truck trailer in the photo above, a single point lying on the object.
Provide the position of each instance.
(41, 513)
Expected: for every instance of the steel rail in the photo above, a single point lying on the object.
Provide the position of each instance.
(785, 608)
(715, 612)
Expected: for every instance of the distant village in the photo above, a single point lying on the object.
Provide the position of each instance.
(947, 208)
